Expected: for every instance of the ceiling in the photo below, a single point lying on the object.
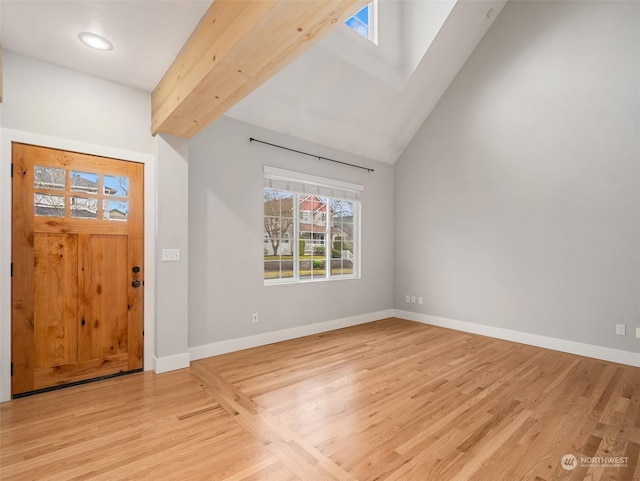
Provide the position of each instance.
(146, 34)
(344, 92)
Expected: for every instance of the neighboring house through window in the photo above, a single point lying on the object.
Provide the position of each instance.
(323, 215)
(82, 198)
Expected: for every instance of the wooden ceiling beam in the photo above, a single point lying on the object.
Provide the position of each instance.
(237, 46)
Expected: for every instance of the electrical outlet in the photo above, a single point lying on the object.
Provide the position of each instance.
(620, 329)
(407, 298)
(413, 299)
(420, 300)
(254, 319)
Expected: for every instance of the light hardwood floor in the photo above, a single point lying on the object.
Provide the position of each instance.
(389, 400)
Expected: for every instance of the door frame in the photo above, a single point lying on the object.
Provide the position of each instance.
(7, 137)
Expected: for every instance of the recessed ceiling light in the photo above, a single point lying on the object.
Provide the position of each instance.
(95, 41)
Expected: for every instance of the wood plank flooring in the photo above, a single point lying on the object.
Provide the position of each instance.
(386, 401)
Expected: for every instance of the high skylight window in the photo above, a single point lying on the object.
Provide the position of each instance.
(364, 22)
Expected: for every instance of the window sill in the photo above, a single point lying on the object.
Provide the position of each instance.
(281, 282)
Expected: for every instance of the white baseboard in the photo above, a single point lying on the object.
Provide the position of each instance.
(150, 363)
(171, 363)
(572, 347)
(231, 345)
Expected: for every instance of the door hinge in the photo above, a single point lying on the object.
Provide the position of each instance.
(12, 369)
(11, 169)
(12, 269)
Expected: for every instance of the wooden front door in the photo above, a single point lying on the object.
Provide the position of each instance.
(77, 271)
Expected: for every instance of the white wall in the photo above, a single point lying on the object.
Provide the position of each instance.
(517, 203)
(421, 23)
(384, 60)
(226, 230)
(341, 94)
(55, 107)
(50, 100)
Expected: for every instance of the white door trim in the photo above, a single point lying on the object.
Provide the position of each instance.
(8, 136)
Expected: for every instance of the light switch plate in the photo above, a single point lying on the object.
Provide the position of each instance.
(170, 255)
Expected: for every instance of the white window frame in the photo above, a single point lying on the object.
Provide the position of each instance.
(372, 26)
(299, 185)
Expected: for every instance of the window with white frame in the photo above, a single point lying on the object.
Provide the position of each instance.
(365, 22)
(323, 215)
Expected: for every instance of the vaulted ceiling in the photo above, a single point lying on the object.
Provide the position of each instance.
(344, 92)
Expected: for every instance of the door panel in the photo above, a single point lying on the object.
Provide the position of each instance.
(77, 234)
(103, 296)
(78, 371)
(55, 306)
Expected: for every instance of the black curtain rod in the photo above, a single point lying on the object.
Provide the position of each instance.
(311, 155)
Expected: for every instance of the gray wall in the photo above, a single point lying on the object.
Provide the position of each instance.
(172, 180)
(518, 201)
(226, 230)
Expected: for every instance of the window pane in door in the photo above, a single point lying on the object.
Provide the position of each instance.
(48, 205)
(115, 210)
(84, 182)
(49, 178)
(84, 207)
(115, 185)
